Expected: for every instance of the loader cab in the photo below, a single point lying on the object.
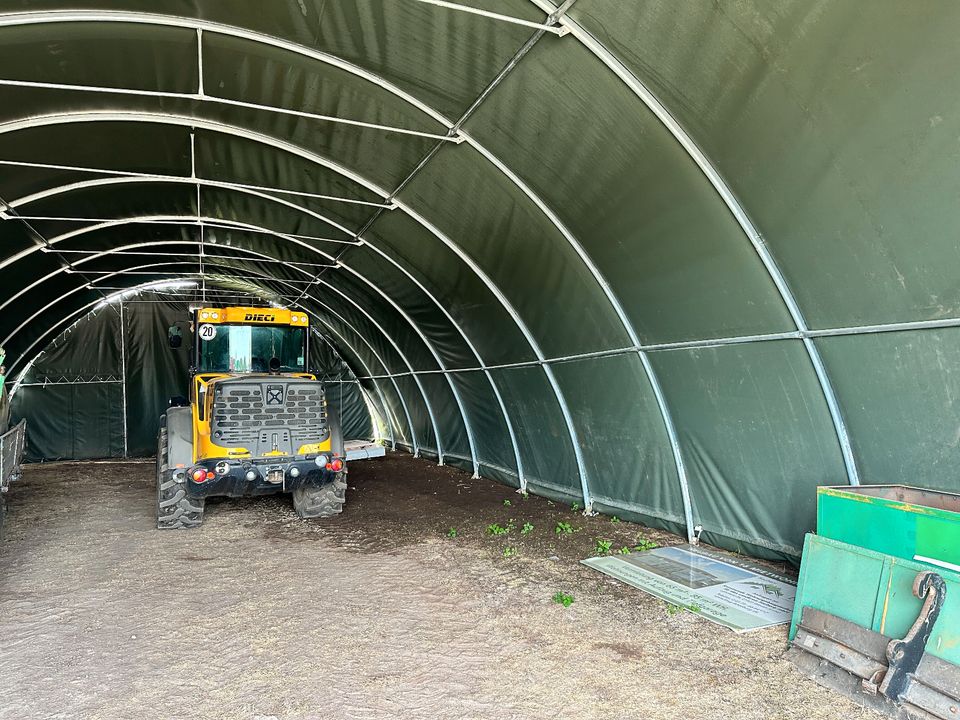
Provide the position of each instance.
(240, 340)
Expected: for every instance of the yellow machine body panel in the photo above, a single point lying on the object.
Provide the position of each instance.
(252, 316)
(201, 390)
(202, 406)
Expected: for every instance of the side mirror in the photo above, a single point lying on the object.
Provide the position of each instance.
(175, 337)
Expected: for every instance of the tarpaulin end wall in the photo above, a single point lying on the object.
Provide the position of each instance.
(78, 393)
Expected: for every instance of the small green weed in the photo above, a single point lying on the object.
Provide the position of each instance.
(674, 609)
(563, 528)
(526, 529)
(507, 503)
(603, 546)
(624, 550)
(575, 506)
(497, 529)
(644, 544)
(452, 533)
(614, 519)
(509, 551)
(561, 598)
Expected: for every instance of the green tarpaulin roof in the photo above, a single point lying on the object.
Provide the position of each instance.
(686, 260)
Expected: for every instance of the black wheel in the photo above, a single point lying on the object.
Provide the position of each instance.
(320, 502)
(174, 509)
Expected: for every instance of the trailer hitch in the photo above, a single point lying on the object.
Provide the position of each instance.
(904, 655)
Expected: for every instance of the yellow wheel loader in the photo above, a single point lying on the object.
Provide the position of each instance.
(255, 423)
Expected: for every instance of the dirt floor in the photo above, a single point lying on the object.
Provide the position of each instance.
(377, 613)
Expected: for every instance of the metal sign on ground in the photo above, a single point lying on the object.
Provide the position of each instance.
(731, 592)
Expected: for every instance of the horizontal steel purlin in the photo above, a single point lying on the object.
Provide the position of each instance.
(205, 97)
(549, 27)
(161, 177)
(714, 342)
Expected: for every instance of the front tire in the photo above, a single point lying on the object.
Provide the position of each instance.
(319, 502)
(175, 510)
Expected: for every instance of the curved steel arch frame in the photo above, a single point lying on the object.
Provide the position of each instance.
(268, 278)
(384, 408)
(385, 405)
(189, 122)
(110, 181)
(93, 116)
(554, 14)
(739, 213)
(190, 219)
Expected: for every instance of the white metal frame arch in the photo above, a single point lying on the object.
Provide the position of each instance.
(152, 284)
(385, 405)
(320, 318)
(46, 333)
(121, 249)
(101, 182)
(81, 185)
(371, 405)
(554, 14)
(94, 116)
(268, 278)
(729, 198)
(196, 220)
(387, 409)
(604, 286)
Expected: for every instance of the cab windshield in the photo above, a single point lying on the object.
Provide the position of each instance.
(250, 348)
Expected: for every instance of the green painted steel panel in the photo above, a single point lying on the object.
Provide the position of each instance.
(846, 584)
(874, 591)
(895, 520)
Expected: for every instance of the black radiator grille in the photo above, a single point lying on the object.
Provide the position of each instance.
(263, 415)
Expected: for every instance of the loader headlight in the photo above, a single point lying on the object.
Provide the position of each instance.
(322, 461)
(222, 467)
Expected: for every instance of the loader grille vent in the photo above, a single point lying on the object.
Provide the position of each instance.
(263, 416)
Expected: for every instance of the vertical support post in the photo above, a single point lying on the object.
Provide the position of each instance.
(199, 62)
(123, 378)
(193, 176)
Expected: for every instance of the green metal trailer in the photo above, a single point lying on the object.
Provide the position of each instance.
(877, 614)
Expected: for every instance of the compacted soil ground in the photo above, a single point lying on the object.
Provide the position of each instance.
(377, 613)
